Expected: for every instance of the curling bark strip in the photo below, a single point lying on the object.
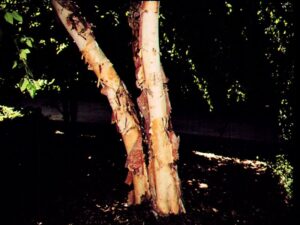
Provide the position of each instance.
(163, 143)
(123, 111)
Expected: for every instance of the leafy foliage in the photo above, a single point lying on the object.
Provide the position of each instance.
(9, 113)
(284, 170)
(277, 19)
(10, 17)
(181, 55)
(236, 92)
(28, 39)
(32, 86)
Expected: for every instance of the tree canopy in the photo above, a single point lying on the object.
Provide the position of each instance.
(221, 56)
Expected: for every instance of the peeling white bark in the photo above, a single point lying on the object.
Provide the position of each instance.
(163, 176)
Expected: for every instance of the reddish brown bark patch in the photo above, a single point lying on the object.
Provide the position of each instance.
(135, 158)
(129, 178)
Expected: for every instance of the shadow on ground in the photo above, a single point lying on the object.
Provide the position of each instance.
(55, 178)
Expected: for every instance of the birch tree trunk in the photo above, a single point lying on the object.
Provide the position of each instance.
(155, 106)
(123, 113)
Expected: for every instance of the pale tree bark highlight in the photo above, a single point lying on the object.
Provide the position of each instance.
(155, 106)
(123, 111)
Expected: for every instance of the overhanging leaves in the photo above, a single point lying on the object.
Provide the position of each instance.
(9, 17)
(17, 16)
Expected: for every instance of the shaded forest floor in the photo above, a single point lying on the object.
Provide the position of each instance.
(77, 179)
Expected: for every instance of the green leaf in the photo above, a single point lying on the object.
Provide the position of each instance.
(61, 47)
(17, 16)
(42, 42)
(38, 84)
(51, 82)
(23, 84)
(32, 92)
(27, 40)
(15, 64)
(2, 6)
(9, 17)
(23, 39)
(23, 53)
(31, 89)
(29, 43)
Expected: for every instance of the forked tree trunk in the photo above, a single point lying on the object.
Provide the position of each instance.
(153, 103)
(123, 111)
(155, 106)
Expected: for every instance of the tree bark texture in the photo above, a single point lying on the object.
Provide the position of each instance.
(155, 107)
(123, 112)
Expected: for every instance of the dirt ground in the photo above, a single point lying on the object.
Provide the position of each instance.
(51, 178)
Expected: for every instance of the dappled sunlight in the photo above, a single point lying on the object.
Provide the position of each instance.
(259, 166)
(58, 132)
(86, 185)
(82, 135)
(231, 190)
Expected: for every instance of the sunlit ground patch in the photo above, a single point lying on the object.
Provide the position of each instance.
(253, 164)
